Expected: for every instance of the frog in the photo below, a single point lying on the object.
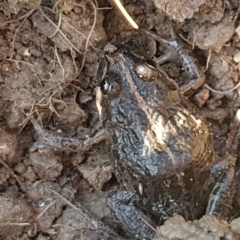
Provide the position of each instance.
(162, 150)
(161, 147)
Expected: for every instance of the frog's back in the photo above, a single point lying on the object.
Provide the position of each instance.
(161, 148)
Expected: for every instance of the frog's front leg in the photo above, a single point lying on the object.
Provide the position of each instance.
(57, 141)
(178, 49)
(133, 220)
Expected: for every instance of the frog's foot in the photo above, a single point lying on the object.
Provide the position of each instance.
(135, 222)
(177, 49)
(169, 56)
(58, 141)
(220, 199)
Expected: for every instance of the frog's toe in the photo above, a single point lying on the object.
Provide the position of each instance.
(169, 56)
(135, 222)
(39, 144)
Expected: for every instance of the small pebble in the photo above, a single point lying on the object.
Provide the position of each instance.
(238, 115)
(236, 57)
(237, 31)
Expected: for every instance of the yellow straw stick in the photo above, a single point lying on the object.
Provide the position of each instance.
(125, 13)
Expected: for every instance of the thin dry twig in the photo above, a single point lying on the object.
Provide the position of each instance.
(195, 38)
(80, 5)
(59, 84)
(88, 42)
(144, 220)
(63, 225)
(185, 39)
(16, 20)
(94, 5)
(73, 55)
(58, 26)
(237, 14)
(208, 60)
(23, 124)
(12, 173)
(73, 28)
(80, 211)
(56, 5)
(17, 61)
(90, 33)
(105, 8)
(58, 59)
(24, 62)
(49, 104)
(15, 34)
(59, 30)
(48, 101)
(45, 210)
(95, 222)
(15, 224)
(223, 92)
(32, 232)
(38, 78)
(93, 25)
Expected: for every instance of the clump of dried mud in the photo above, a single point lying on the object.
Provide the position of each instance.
(208, 228)
(49, 56)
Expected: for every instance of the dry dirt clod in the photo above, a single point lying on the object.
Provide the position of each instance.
(77, 33)
(98, 172)
(207, 228)
(16, 215)
(180, 11)
(14, 7)
(201, 97)
(8, 146)
(236, 57)
(46, 165)
(214, 36)
(237, 31)
(71, 113)
(219, 114)
(49, 56)
(47, 206)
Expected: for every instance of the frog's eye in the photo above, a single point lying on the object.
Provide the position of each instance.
(113, 90)
(146, 71)
(111, 86)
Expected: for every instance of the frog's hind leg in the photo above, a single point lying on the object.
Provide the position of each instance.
(221, 197)
(170, 44)
(133, 220)
(179, 51)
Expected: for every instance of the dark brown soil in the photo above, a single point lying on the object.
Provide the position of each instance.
(49, 57)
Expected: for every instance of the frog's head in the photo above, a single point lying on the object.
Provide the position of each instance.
(147, 120)
(133, 87)
(127, 77)
(125, 74)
